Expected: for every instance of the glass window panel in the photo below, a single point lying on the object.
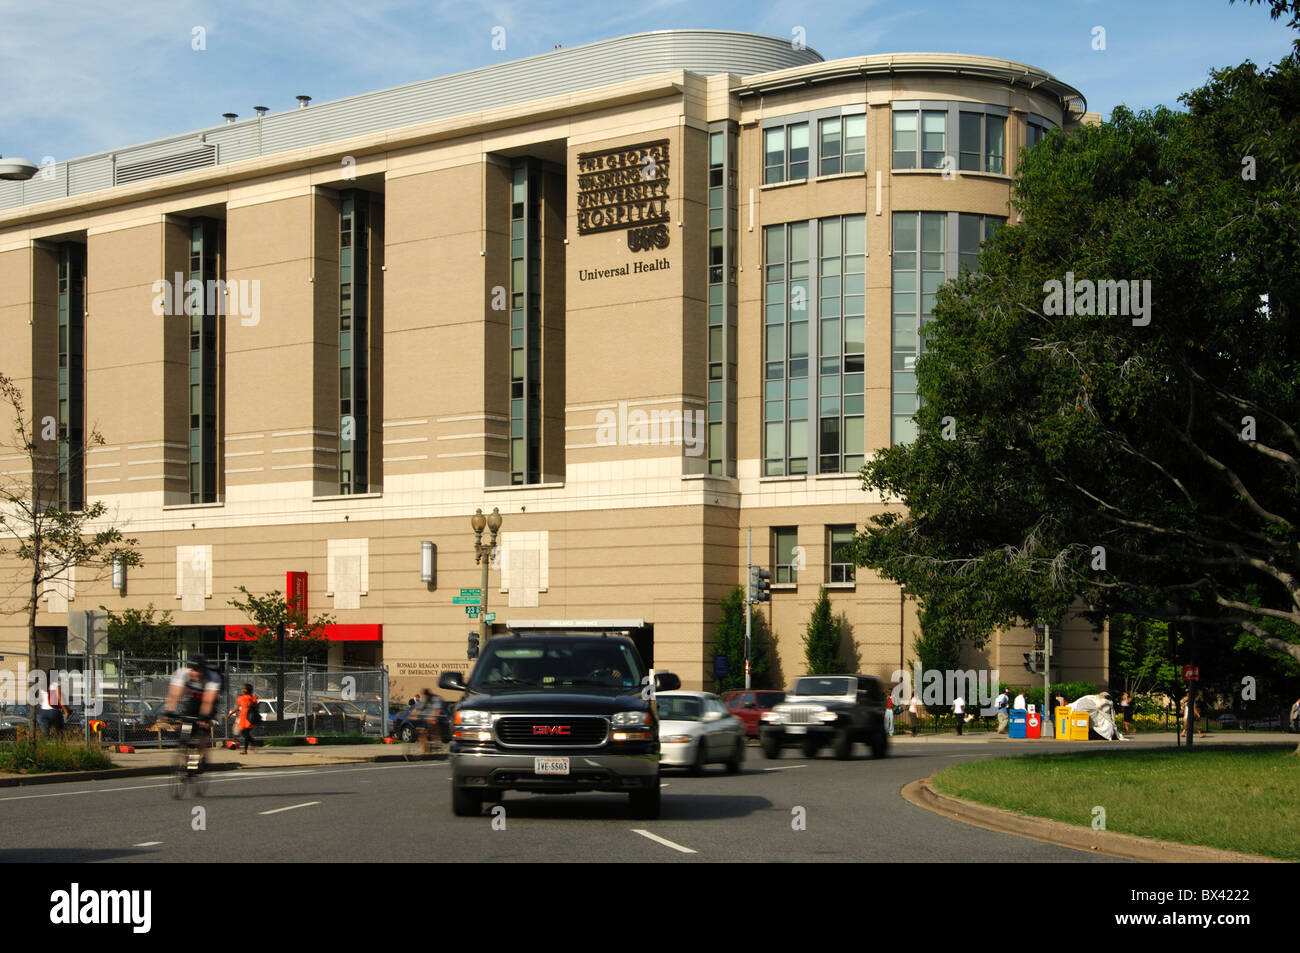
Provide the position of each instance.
(855, 235)
(905, 404)
(932, 129)
(774, 410)
(775, 313)
(773, 390)
(798, 342)
(853, 374)
(904, 233)
(830, 442)
(933, 227)
(905, 383)
(799, 387)
(799, 298)
(830, 385)
(715, 344)
(830, 406)
(830, 286)
(831, 336)
(798, 241)
(799, 150)
(798, 438)
(799, 368)
(830, 237)
(775, 371)
(854, 304)
(904, 302)
(970, 132)
(775, 440)
(716, 145)
(854, 403)
(854, 335)
(905, 138)
(931, 281)
(855, 435)
(904, 430)
(995, 133)
(798, 409)
(855, 134)
(774, 241)
(855, 284)
(775, 342)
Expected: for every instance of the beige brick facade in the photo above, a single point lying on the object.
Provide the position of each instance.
(625, 530)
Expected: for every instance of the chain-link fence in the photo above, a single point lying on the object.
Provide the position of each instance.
(119, 700)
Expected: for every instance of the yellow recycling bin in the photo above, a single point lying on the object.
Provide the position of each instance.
(1078, 725)
(1063, 723)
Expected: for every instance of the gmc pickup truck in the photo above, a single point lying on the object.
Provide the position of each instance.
(556, 713)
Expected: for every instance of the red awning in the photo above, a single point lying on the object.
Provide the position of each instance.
(364, 632)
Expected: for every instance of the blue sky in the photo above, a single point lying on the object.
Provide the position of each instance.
(83, 77)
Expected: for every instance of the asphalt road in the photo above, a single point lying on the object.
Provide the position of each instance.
(851, 811)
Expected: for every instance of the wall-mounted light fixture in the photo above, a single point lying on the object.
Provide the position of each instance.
(119, 574)
(428, 562)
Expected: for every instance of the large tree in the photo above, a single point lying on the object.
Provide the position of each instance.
(45, 538)
(1144, 460)
(304, 636)
(729, 640)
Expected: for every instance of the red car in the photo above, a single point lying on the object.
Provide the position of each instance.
(749, 705)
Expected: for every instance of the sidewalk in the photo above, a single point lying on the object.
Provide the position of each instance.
(155, 761)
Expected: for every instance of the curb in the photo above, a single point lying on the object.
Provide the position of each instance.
(1124, 846)
(110, 774)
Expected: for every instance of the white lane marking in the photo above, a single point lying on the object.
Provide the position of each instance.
(661, 840)
(292, 807)
(148, 843)
(786, 767)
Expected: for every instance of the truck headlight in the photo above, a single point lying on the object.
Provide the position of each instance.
(771, 717)
(827, 716)
(627, 718)
(472, 717)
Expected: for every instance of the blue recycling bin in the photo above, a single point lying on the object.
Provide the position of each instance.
(1017, 723)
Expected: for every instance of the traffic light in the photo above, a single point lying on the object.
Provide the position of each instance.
(1033, 661)
(472, 651)
(760, 585)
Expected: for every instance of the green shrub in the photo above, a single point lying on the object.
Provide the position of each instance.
(36, 755)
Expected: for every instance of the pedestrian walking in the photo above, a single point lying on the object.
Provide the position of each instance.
(51, 712)
(913, 710)
(248, 715)
(889, 715)
(959, 710)
(1003, 704)
(1020, 700)
(1126, 711)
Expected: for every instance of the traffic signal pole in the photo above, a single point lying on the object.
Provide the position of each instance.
(749, 592)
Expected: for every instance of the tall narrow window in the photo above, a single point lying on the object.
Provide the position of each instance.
(71, 376)
(721, 371)
(842, 317)
(204, 307)
(525, 321)
(839, 541)
(982, 142)
(785, 541)
(354, 342)
(920, 243)
(785, 351)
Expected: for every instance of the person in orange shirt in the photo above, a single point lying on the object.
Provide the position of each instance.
(245, 704)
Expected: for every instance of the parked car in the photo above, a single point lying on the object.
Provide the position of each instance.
(749, 705)
(406, 725)
(1265, 723)
(1229, 720)
(695, 729)
(327, 715)
(13, 717)
(127, 719)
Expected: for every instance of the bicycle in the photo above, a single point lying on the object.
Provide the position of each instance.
(188, 768)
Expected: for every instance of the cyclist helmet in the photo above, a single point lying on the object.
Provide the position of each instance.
(198, 661)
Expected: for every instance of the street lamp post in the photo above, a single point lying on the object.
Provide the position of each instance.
(483, 556)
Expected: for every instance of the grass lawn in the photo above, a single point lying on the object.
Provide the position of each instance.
(1232, 798)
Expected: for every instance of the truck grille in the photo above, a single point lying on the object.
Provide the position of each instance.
(552, 731)
(800, 715)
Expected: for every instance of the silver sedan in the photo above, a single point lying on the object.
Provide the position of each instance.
(696, 729)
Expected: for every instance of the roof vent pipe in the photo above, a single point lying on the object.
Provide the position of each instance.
(303, 101)
(261, 111)
(229, 117)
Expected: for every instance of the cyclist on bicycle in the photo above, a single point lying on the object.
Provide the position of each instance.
(193, 696)
(427, 718)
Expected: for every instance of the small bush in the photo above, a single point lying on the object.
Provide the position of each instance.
(33, 756)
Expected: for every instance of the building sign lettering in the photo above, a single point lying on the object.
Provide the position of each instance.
(627, 188)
